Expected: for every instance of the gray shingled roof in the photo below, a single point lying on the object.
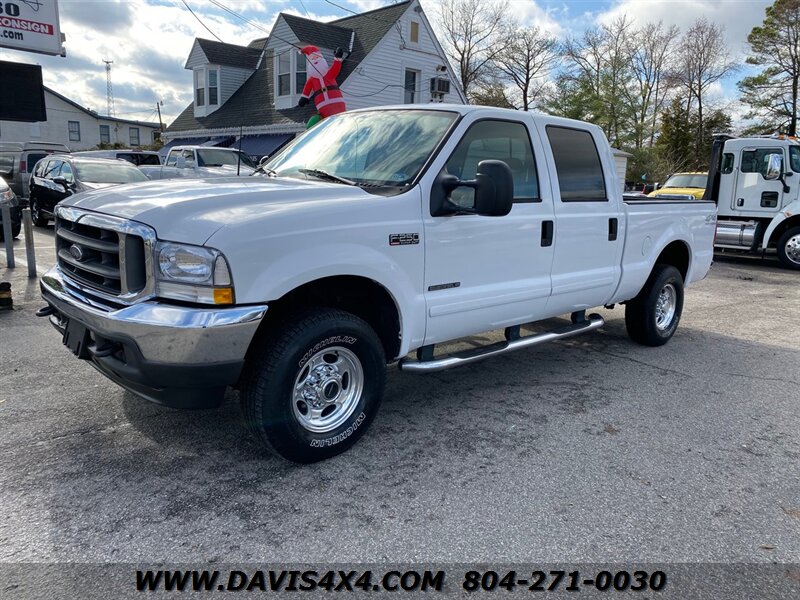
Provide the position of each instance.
(252, 104)
(219, 53)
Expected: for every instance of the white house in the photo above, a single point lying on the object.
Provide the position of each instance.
(77, 127)
(394, 58)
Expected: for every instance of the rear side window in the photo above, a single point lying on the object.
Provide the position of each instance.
(580, 172)
(33, 158)
(147, 159)
(131, 158)
(727, 163)
(498, 140)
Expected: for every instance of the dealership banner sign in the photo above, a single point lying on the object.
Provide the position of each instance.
(31, 25)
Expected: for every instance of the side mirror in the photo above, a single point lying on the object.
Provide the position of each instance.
(62, 181)
(494, 194)
(774, 167)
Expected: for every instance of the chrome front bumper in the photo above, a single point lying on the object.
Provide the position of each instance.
(175, 355)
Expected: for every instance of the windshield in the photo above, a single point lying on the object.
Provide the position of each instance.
(108, 173)
(378, 147)
(213, 157)
(687, 180)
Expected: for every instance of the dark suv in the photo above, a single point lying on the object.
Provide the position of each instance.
(59, 176)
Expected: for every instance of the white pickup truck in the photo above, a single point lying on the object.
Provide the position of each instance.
(197, 162)
(377, 233)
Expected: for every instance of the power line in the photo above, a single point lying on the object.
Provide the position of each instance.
(199, 20)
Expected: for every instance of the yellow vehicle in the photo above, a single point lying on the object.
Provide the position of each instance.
(683, 184)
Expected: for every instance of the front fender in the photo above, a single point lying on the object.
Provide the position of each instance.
(790, 210)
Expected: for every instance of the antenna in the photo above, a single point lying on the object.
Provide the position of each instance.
(109, 89)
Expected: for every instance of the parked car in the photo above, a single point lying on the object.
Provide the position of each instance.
(59, 176)
(136, 157)
(378, 233)
(683, 184)
(9, 198)
(18, 158)
(195, 162)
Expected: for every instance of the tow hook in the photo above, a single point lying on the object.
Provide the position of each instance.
(45, 311)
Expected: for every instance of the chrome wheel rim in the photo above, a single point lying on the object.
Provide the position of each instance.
(666, 304)
(327, 389)
(34, 211)
(792, 249)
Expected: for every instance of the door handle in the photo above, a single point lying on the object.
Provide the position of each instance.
(613, 225)
(547, 233)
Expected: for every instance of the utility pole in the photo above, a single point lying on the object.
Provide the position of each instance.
(160, 123)
(109, 89)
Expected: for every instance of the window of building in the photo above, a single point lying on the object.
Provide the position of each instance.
(134, 134)
(213, 87)
(756, 161)
(284, 73)
(414, 33)
(105, 134)
(412, 86)
(578, 166)
(74, 131)
(496, 140)
(200, 87)
(300, 76)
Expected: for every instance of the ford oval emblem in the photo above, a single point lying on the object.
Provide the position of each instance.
(76, 252)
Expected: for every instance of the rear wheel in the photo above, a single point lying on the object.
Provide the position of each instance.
(37, 216)
(316, 386)
(789, 248)
(652, 317)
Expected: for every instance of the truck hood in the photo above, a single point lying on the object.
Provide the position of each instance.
(674, 191)
(191, 210)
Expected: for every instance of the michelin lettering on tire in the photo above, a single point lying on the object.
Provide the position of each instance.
(332, 441)
(336, 339)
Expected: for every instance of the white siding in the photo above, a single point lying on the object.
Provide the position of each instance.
(230, 80)
(196, 58)
(387, 63)
(56, 128)
(284, 32)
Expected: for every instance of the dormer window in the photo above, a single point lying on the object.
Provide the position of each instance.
(213, 88)
(300, 76)
(285, 73)
(200, 87)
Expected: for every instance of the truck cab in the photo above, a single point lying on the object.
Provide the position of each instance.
(755, 182)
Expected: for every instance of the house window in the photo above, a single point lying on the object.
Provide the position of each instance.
(200, 87)
(156, 135)
(300, 76)
(412, 86)
(284, 73)
(414, 32)
(74, 131)
(105, 134)
(134, 136)
(213, 94)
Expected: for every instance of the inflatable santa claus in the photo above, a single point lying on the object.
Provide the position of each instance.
(321, 86)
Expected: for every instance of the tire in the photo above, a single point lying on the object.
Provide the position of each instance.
(652, 317)
(789, 248)
(318, 359)
(36, 214)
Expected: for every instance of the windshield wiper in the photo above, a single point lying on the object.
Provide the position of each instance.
(327, 176)
(265, 170)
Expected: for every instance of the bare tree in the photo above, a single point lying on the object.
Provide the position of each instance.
(474, 33)
(527, 61)
(651, 51)
(704, 60)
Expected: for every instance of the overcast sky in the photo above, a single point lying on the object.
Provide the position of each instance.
(149, 40)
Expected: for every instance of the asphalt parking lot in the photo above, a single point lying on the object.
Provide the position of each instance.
(589, 450)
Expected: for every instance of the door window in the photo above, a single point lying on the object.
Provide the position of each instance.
(66, 172)
(580, 172)
(52, 170)
(757, 160)
(495, 140)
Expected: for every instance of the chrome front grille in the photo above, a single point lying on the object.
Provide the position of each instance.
(107, 256)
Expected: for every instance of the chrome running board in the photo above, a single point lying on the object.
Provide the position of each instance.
(464, 357)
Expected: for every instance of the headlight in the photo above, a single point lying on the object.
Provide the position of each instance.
(192, 274)
(7, 197)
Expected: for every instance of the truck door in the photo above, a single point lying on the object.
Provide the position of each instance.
(754, 193)
(589, 224)
(483, 273)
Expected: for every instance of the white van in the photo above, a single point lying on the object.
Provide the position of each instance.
(17, 160)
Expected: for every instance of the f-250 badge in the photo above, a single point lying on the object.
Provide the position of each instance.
(403, 239)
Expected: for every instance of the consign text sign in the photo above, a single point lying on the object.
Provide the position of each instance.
(31, 25)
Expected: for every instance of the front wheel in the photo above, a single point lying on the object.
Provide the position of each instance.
(37, 216)
(652, 317)
(316, 386)
(789, 248)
